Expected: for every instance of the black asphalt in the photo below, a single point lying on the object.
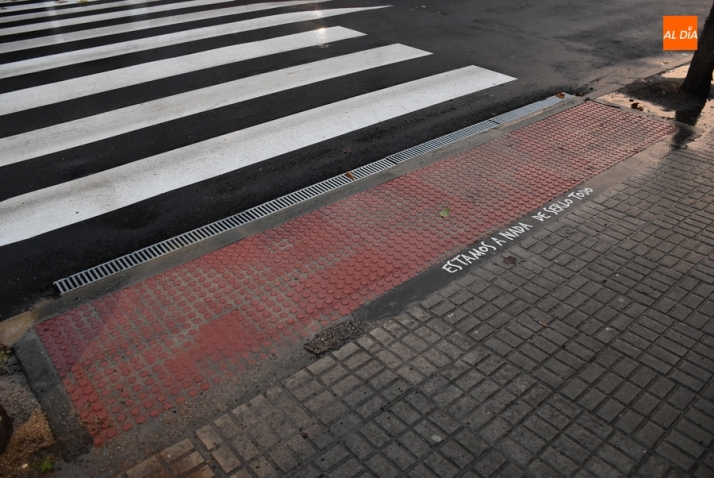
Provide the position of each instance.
(548, 45)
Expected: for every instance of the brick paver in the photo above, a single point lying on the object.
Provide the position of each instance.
(590, 356)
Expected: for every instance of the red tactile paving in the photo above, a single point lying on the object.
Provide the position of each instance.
(136, 353)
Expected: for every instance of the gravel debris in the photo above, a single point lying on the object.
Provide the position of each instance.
(334, 337)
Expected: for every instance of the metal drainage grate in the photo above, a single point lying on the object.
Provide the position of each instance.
(441, 141)
(146, 254)
(528, 109)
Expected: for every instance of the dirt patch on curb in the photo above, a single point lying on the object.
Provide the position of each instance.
(334, 337)
(32, 449)
(31, 452)
(15, 394)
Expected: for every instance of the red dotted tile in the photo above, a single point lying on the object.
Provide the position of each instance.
(130, 356)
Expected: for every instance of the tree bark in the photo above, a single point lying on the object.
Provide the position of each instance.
(699, 76)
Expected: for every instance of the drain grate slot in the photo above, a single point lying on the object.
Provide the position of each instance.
(528, 109)
(441, 141)
(186, 239)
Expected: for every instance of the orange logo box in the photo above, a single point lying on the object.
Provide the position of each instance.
(679, 33)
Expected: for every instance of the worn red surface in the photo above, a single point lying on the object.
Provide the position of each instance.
(128, 357)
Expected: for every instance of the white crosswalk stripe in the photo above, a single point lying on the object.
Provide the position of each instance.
(8, 6)
(121, 184)
(135, 26)
(49, 15)
(142, 8)
(113, 123)
(29, 98)
(33, 65)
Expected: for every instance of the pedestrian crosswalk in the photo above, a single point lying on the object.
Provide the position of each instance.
(50, 15)
(73, 57)
(103, 71)
(180, 10)
(115, 122)
(56, 92)
(138, 25)
(10, 6)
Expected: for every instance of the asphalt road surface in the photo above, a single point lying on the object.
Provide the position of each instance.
(123, 123)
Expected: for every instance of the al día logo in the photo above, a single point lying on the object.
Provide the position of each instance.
(679, 33)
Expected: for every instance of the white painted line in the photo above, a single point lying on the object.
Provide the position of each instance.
(47, 15)
(10, 6)
(75, 133)
(143, 25)
(68, 203)
(133, 26)
(106, 51)
(28, 98)
(142, 7)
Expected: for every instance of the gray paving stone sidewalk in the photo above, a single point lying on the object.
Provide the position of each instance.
(592, 355)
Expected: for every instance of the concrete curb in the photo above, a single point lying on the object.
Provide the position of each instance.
(71, 435)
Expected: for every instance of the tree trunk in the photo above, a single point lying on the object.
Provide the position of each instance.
(699, 76)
